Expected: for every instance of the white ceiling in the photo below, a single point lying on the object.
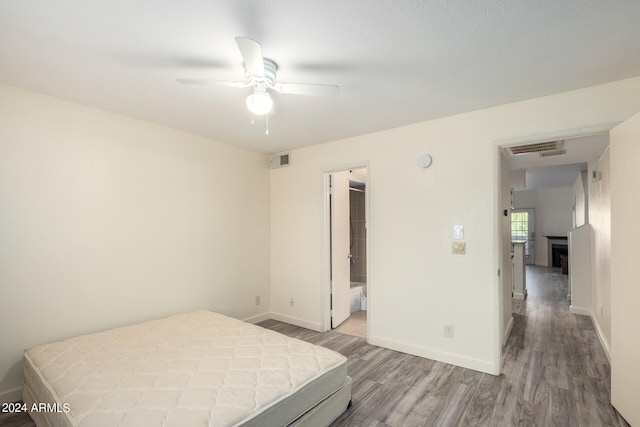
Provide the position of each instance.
(396, 62)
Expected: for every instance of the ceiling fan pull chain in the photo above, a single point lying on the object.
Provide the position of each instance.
(267, 131)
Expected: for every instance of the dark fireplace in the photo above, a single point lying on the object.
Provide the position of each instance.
(557, 251)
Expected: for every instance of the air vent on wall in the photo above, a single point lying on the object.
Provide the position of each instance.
(550, 148)
(280, 160)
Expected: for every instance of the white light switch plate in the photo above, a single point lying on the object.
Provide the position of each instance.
(458, 232)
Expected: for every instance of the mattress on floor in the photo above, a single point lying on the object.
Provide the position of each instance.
(198, 368)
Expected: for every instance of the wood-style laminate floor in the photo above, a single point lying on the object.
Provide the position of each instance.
(555, 374)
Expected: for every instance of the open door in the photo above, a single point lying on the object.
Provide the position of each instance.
(340, 252)
(625, 290)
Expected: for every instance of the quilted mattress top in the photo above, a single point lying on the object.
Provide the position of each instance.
(186, 368)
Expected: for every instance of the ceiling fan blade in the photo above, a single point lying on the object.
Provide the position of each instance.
(307, 89)
(251, 52)
(212, 82)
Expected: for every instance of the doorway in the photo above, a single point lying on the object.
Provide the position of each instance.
(348, 251)
(543, 173)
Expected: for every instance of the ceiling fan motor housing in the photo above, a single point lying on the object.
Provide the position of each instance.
(269, 77)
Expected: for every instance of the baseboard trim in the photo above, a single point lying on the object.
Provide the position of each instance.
(11, 395)
(314, 326)
(440, 356)
(579, 310)
(257, 318)
(600, 335)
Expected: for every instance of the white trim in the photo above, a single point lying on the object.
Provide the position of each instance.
(326, 254)
(603, 342)
(258, 318)
(498, 303)
(565, 134)
(11, 395)
(441, 356)
(579, 310)
(314, 326)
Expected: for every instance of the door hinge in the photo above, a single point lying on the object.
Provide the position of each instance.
(498, 272)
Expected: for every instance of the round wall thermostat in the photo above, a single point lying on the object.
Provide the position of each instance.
(424, 161)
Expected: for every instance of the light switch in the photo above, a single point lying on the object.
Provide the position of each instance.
(458, 232)
(458, 248)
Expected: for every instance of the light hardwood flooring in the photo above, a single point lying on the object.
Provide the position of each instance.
(555, 374)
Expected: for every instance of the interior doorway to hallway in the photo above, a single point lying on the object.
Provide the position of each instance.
(542, 178)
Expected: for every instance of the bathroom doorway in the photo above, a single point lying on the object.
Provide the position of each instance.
(348, 242)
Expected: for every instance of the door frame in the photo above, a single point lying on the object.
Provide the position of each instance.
(498, 145)
(326, 238)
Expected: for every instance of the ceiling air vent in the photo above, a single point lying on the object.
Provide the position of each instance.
(280, 160)
(550, 148)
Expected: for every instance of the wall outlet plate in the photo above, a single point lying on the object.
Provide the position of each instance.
(448, 331)
(458, 232)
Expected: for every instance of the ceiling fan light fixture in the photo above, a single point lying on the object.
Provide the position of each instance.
(259, 103)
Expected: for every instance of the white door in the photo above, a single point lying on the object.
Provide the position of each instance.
(625, 290)
(340, 252)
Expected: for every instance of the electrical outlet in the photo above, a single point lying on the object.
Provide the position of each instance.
(257, 299)
(458, 248)
(448, 331)
(292, 302)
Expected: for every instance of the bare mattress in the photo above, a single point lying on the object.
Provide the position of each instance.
(193, 369)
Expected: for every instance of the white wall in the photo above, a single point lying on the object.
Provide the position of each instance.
(625, 292)
(553, 215)
(580, 197)
(106, 220)
(415, 284)
(600, 220)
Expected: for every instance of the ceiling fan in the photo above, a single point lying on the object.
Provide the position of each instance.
(261, 75)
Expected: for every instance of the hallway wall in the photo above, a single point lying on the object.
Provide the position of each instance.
(600, 220)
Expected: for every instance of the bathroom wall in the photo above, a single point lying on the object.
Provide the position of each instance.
(358, 236)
